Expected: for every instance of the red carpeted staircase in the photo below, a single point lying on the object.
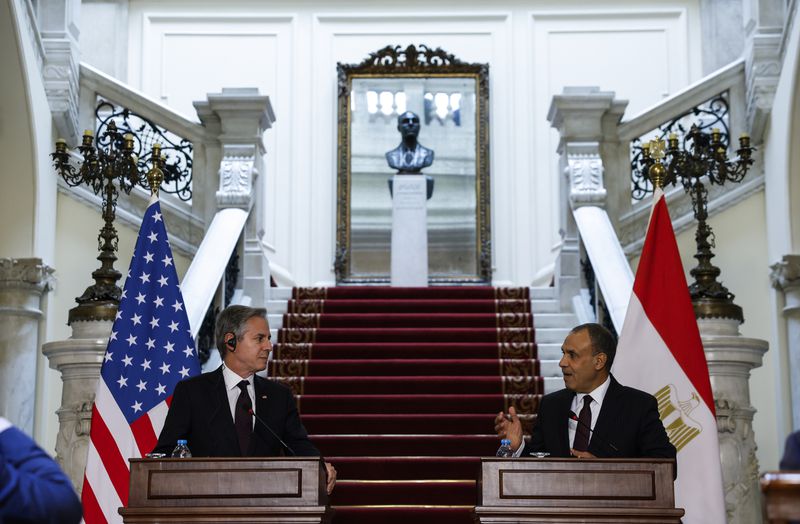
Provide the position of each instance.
(398, 388)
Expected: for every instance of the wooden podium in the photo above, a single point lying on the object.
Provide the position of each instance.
(577, 491)
(239, 490)
(781, 491)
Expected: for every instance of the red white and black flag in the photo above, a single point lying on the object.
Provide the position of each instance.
(660, 351)
(149, 351)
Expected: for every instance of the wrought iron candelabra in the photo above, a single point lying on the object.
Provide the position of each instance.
(108, 167)
(701, 158)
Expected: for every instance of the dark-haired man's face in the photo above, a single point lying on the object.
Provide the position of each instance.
(251, 353)
(582, 371)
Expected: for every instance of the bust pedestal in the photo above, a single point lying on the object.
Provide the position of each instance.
(409, 231)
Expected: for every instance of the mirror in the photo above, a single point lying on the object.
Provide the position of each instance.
(451, 99)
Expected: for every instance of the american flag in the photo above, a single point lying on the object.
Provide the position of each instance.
(149, 350)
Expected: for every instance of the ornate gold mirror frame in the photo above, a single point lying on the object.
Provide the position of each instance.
(453, 99)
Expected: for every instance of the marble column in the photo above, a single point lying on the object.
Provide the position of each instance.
(786, 278)
(730, 358)
(79, 359)
(23, 281)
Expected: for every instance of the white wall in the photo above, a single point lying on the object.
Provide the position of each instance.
(178, 52)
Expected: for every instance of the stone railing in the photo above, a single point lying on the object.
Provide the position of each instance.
(601, 220)
(210, 219)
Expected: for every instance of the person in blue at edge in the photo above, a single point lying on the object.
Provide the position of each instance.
(624, 421)
(791, 452)
(33, 489)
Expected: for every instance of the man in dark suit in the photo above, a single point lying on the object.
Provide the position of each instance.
(213, 411)
(595, 416)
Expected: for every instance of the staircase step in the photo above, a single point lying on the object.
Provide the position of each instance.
(384, 492)
(354, 385)
(406, 468)
(556, 320)
(551, 335)
(549, 351)
(406, 306)
(540, 293)
(387, 404)
(420, 445)
(544, 306)
(345, 350)
(404, 514)
(409, 320)
(416, 335)
(408, 367)
(463, 424)
(415, 293)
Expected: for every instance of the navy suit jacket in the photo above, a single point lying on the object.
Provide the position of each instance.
(791, 452)
(200, 413)
(628, 420)
(32, 486)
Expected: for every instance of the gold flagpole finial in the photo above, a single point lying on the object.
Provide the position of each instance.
(657, 172)
(156, 175)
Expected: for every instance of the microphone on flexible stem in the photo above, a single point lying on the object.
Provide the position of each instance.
(573, 416)
(285, 446)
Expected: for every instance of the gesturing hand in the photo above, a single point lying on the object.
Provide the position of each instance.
(509, 427)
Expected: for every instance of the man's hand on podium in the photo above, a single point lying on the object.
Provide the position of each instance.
(509, 427)
(331, 471)
(581, 454)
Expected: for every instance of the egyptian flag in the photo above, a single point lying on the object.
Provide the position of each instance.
(660, 352)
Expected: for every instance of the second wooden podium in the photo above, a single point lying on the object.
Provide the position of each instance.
(577, 491)
(239, 490)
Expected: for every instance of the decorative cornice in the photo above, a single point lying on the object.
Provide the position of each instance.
(785, 274)
(585, 172)
(26, 270)
(237, 173)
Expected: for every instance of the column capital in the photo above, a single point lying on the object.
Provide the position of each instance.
(25, 272)
(785, 275)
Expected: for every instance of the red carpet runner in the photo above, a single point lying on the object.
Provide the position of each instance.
(398, 388)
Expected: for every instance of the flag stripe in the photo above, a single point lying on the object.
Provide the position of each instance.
(114, 464)
(143, 432)
(92, 514)
(115, 420)
(667, 305)
(157, 417)
(97, 479)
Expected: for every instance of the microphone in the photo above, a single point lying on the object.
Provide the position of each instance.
(573, 416)
(285, 446)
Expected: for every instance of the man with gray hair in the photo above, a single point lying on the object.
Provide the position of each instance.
(231, 411)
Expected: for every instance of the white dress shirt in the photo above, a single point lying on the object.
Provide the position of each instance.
(598, 394)
(232, 389)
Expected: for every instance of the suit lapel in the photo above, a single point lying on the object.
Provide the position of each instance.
(605, 420)
(562, 428)
(259, 442)
(221, 420)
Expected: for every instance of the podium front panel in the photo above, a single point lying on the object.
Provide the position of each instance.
(227, 482)
(578, 483)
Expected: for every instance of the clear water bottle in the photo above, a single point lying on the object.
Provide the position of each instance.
(505, 451)
(182, 450)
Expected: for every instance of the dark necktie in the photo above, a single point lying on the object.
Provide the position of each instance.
(409, 158)
(243, 420)
(581, 442)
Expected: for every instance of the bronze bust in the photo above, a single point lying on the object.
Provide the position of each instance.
(410, 157)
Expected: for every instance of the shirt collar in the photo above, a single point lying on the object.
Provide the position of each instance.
(232, 379)
(598, 393)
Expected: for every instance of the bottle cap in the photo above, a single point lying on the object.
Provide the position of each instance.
(181, 442)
